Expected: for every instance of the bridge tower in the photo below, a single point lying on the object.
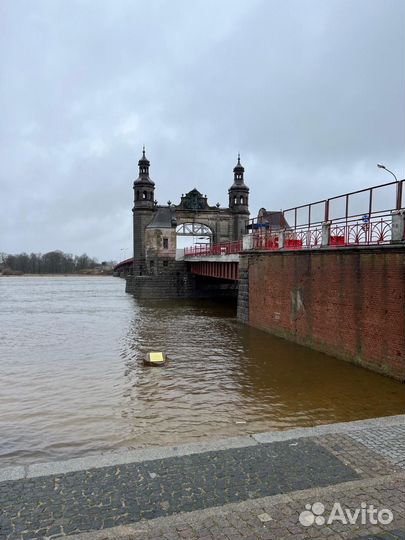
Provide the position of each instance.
(239, 201)
(143, 212)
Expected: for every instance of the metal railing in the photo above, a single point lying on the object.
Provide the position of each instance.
(362, 217)
(383, 198)
(225, 248)
(122, 264)
(359, 218)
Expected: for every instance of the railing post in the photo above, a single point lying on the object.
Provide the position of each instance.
(399, 195)
(326, 217)
(325, 233)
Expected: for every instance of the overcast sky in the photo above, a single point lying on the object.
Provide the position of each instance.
(310, 92)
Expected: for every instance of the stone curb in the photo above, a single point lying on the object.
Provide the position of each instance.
(342, 427)
(152, 453)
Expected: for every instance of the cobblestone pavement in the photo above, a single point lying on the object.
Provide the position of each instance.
(389, 442)
(366, 462)
(252, 492)
(275, 518)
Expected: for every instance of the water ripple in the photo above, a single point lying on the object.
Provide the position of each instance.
(73, 381)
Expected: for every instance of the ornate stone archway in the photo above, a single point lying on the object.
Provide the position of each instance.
(155, 226)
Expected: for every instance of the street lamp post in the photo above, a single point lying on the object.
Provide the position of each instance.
(385, 169)
(399, 185)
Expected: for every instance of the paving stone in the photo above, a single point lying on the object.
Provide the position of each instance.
(217, 495)
(389, 442)
(189, 483)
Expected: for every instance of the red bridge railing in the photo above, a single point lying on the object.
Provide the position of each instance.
(360, 232)
(360, 218)
(123, 264)
(226, 248)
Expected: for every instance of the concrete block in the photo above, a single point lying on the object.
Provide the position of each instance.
(281, 236)
(247, 242)
(325, 233)
(398, 226)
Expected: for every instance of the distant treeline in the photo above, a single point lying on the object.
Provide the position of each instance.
(54, 262)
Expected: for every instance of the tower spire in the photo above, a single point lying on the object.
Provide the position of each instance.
(238, 172)
(239, 201)
(143, 165)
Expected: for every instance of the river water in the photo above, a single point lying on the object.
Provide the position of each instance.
(72, 381)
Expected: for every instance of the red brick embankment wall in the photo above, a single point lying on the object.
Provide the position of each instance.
(349, 303)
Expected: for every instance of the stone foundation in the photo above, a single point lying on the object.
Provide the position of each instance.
(172, 281)
(176, 281)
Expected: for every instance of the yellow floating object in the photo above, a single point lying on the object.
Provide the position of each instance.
(155, 358)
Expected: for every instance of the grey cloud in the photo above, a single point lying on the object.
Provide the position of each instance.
(310, 92)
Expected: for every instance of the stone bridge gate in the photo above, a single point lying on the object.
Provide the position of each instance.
(158, 269)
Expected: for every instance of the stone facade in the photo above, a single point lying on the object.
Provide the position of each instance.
(172, 281)
(176, 281)
(155, 231)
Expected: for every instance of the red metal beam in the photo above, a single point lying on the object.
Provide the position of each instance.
(219, 270)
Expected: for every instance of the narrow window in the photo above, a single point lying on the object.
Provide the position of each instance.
(241, 199)
(165, 243)
(165, 263)
(145, 195)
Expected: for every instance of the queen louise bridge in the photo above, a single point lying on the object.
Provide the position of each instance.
(329, 274)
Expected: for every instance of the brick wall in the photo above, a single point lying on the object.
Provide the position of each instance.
(348, 302)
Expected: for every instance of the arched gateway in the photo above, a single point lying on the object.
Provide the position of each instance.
(155, 227)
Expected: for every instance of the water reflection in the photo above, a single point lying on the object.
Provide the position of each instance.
(73, 382)
(225, 378)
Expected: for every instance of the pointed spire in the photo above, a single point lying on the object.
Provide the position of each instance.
(238, 176)
(239, 169)
(143, 165)
(144, 161)
(143, 158)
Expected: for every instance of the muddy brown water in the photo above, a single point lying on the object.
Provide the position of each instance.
(72, 381)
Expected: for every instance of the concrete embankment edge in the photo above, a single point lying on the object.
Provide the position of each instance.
(152, 453)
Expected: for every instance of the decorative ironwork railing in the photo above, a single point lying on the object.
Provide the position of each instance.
(360, 218)
(366, 232)
(341, 233)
